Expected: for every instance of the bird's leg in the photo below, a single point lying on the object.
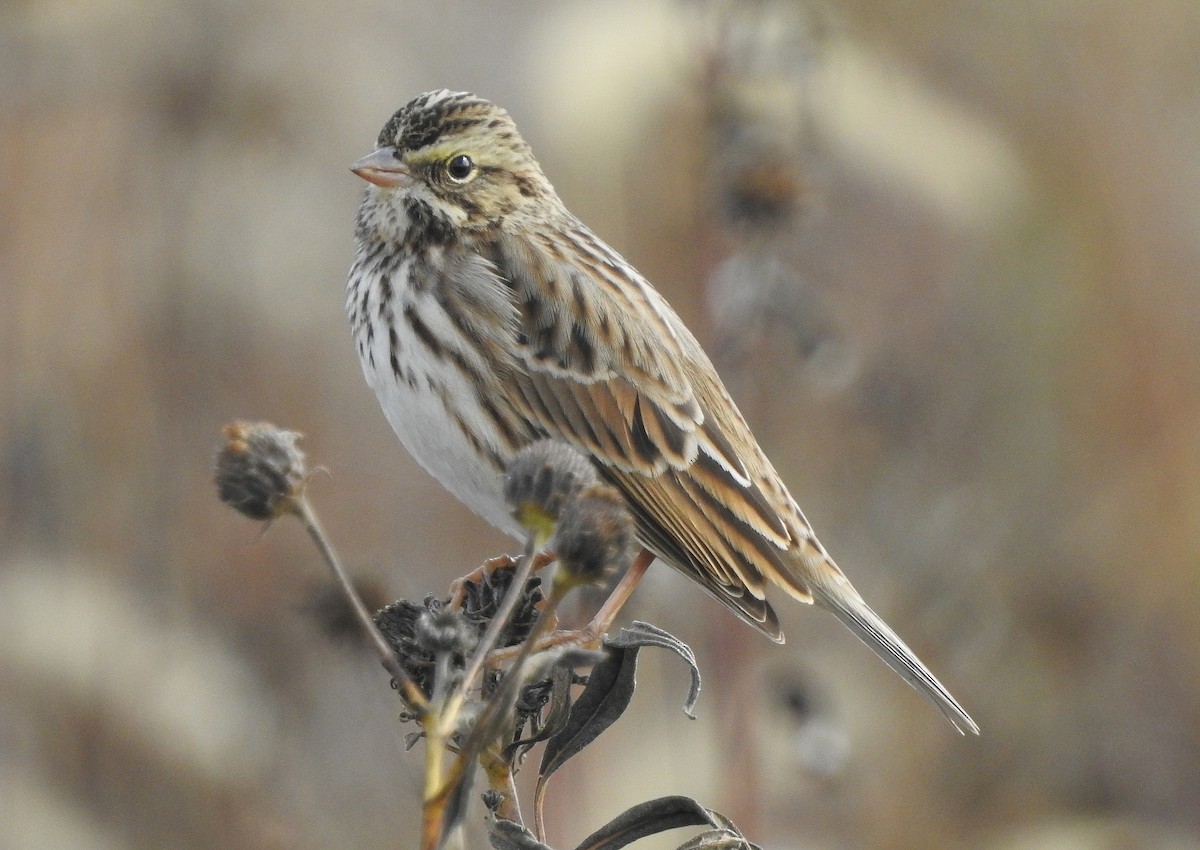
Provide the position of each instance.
(598, 627)
(458, 587)
(591, 634)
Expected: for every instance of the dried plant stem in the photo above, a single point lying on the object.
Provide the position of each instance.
(434, 804)
(501, 778)
(495, 628)
(483, 730)
(412, 695)
(504, 696)
(507, 692)
(539, 811)
(441, 717)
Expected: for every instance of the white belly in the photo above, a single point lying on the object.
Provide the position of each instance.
(413, 400)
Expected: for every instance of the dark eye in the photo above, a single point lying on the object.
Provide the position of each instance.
(460, 167)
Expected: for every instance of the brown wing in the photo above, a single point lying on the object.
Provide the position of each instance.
(612, 370)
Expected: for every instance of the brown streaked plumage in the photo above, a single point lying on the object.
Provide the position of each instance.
(487, 316)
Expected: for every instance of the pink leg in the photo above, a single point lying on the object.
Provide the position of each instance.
(612, 606)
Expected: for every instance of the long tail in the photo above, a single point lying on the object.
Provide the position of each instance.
(833, 592)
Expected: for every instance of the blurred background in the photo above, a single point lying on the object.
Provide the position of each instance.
(946, 256)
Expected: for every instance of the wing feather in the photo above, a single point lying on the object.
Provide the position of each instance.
(612, 369)
(683, 544)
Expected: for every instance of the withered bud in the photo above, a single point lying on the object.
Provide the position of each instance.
(539, 479)
(594, 537)
(492, 800)
(259, 470)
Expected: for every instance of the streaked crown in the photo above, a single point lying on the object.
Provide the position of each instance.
(437, 117)
(469, 164)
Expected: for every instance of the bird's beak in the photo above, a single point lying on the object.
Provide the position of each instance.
(384, 169)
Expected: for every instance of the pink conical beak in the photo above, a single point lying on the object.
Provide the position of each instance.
(384, 169)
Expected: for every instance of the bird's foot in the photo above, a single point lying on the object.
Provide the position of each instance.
(592, 635)
(458, 587)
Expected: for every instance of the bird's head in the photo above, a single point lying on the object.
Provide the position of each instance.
(449, 161)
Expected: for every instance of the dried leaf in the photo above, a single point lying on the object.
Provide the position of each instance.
(509, 835)
(604, 699)
(650, 818)
(609, 690)
(641, 634)
(719, 839)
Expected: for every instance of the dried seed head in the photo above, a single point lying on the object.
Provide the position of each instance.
(539, 479)
(398, 624)
(445, 631)
(259, 470)
(595, 534)
(482, 598)
(416, 633)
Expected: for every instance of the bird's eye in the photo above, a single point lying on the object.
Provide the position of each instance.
(460, 167)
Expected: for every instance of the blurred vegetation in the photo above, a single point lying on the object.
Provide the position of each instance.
(967, 340)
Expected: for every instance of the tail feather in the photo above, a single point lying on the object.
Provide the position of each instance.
(843, 601)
